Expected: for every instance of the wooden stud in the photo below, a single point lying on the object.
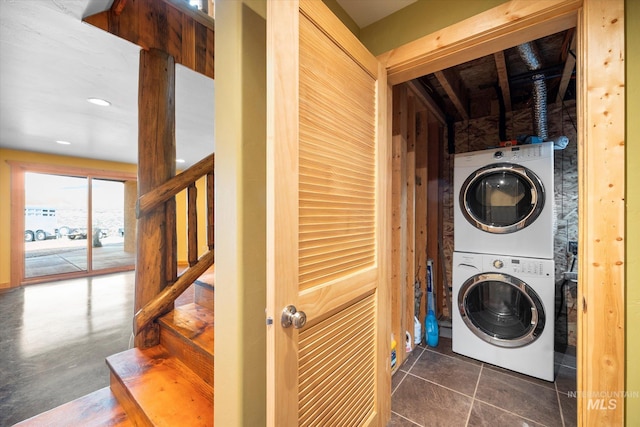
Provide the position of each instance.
(422, 232)
(419, 92)
(434, 207)
(410, 256)
(398, 213)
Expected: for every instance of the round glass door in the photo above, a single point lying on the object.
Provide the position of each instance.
(501, 309)
(502, 198)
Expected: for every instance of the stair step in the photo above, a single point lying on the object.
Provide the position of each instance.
(204, 290)
(187, 333)
(157, 389)
(100, 408)
(204, 294)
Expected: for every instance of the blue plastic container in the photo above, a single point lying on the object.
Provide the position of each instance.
(431, 329)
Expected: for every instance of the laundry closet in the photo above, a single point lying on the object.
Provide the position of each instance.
(487, 113)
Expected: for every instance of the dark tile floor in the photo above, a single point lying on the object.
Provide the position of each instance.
(436, 387)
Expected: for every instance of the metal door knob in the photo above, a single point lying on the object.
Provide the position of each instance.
(291, 316)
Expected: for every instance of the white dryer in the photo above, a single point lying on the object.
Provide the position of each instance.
(504, 312)
(503, 201)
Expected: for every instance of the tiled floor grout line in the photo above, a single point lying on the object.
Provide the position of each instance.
(473, 398)
(523, 377)
(406, 372)
(559, 404)
(400, 382)
(509, 412)
(405, 418)
(500, 370)
(402, 379)
(417, 357)
(439, 385)
(452, 357)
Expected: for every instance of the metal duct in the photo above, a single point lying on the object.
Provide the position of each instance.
(529, 54)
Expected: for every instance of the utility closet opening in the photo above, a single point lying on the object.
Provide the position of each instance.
(518, 98)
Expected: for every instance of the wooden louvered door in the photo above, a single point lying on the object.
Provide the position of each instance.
(327, 168)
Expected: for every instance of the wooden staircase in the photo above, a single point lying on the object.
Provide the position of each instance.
(170, 384)
(167, 379)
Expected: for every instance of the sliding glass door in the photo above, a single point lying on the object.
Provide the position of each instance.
(55, 220)
(76, 225)
(107, 229)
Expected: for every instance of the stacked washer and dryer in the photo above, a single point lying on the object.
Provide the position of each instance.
(503, 268)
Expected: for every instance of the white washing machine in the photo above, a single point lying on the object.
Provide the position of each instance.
(504, 312)
(503, 201)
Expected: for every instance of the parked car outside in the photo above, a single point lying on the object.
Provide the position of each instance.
(81, 233)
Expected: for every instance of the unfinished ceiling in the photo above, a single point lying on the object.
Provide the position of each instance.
(473, 89)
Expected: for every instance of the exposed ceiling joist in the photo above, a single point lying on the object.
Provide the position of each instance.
(455, 90)
(567, 72)
(503, 79)
(421, 94)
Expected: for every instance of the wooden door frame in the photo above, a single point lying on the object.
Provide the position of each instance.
(601, 152)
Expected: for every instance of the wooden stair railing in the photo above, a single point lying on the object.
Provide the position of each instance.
(164, 194)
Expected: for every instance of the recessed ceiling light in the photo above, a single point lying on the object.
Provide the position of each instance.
(179, 160)
(63, 142)
(99, 101)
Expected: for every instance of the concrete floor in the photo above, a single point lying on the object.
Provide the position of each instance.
(54, 340)
(69, 256)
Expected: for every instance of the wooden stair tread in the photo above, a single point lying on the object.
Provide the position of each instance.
(205, 288)
(187, 332)
(194, 322)
(155, 388)
(99, 409)
(204, 295)
(208, 277)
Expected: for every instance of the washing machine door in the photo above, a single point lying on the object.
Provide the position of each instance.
(502, 198)
(501, 309)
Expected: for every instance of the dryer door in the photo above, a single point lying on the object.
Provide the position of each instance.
(502, 198)
(501, 309)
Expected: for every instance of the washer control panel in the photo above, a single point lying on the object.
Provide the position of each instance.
(520, 266)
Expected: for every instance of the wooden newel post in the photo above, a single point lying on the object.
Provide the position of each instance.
(156, 165)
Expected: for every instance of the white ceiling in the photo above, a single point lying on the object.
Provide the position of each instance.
(51, 62)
